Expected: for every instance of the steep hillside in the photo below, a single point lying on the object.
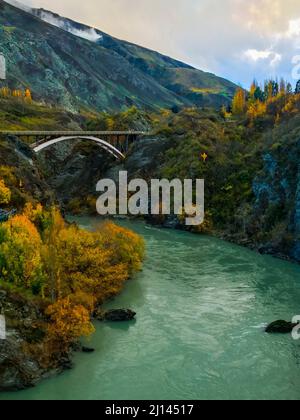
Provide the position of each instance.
(79, 67)
(16, 114)
(194, 85)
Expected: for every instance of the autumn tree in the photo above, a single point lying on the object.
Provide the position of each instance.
(52, 258)
(89, 264)
(27, 95)
(68, 323)
(5, 92)
(256, 109)
(20, 257)
(5, 193)
(225, 112)
(253, 88)
(271, 89)
(239, 102)
(17, 93)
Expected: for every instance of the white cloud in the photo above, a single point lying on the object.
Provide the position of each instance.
(294, 28)
(89, 34)
(256, 55)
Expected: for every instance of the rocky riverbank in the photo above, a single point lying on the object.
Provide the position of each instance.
(22, 364)
(23, 354)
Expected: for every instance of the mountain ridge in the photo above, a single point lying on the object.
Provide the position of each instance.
(51, 60)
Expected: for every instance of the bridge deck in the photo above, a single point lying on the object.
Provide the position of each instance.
(73, 133)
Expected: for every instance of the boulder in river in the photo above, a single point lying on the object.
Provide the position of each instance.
(280, 327)
(118, 315)
(87, 349)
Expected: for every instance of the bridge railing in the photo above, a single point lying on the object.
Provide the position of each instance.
(72, 133)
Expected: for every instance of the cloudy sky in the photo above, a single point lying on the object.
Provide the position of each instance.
(237, 39)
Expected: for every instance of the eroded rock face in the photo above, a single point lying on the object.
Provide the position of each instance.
(276, 210)
(21, 353)
(18, 156)
(17, 370)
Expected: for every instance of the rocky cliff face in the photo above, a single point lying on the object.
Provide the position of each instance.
(72, 169)
(18, 370)
(24, 360)
(276, 210)
(20, 170)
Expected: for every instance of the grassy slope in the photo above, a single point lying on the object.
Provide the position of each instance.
(18, 115)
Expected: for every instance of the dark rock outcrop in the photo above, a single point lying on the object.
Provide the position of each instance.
(17, 370)
(87, 349)
(280, 327)
(119, 315)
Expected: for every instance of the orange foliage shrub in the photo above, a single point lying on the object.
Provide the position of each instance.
(68, 323)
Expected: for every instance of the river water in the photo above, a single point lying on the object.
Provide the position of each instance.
(201, 307)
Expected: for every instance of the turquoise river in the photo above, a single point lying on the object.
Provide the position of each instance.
(201, 305)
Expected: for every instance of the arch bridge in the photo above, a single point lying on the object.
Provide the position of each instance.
(117, 143)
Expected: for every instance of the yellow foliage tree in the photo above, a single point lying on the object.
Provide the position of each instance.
(5, 193)
(253, 90)
(20, 261)
(239, 102)
(256, 109)
(17, 93)
(224, 113)
(5, 92)
(52, 255)
(27, 95)
(94, 263)
(127, 247)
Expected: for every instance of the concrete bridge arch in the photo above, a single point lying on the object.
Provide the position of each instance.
(117, 143)
(101, 143)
